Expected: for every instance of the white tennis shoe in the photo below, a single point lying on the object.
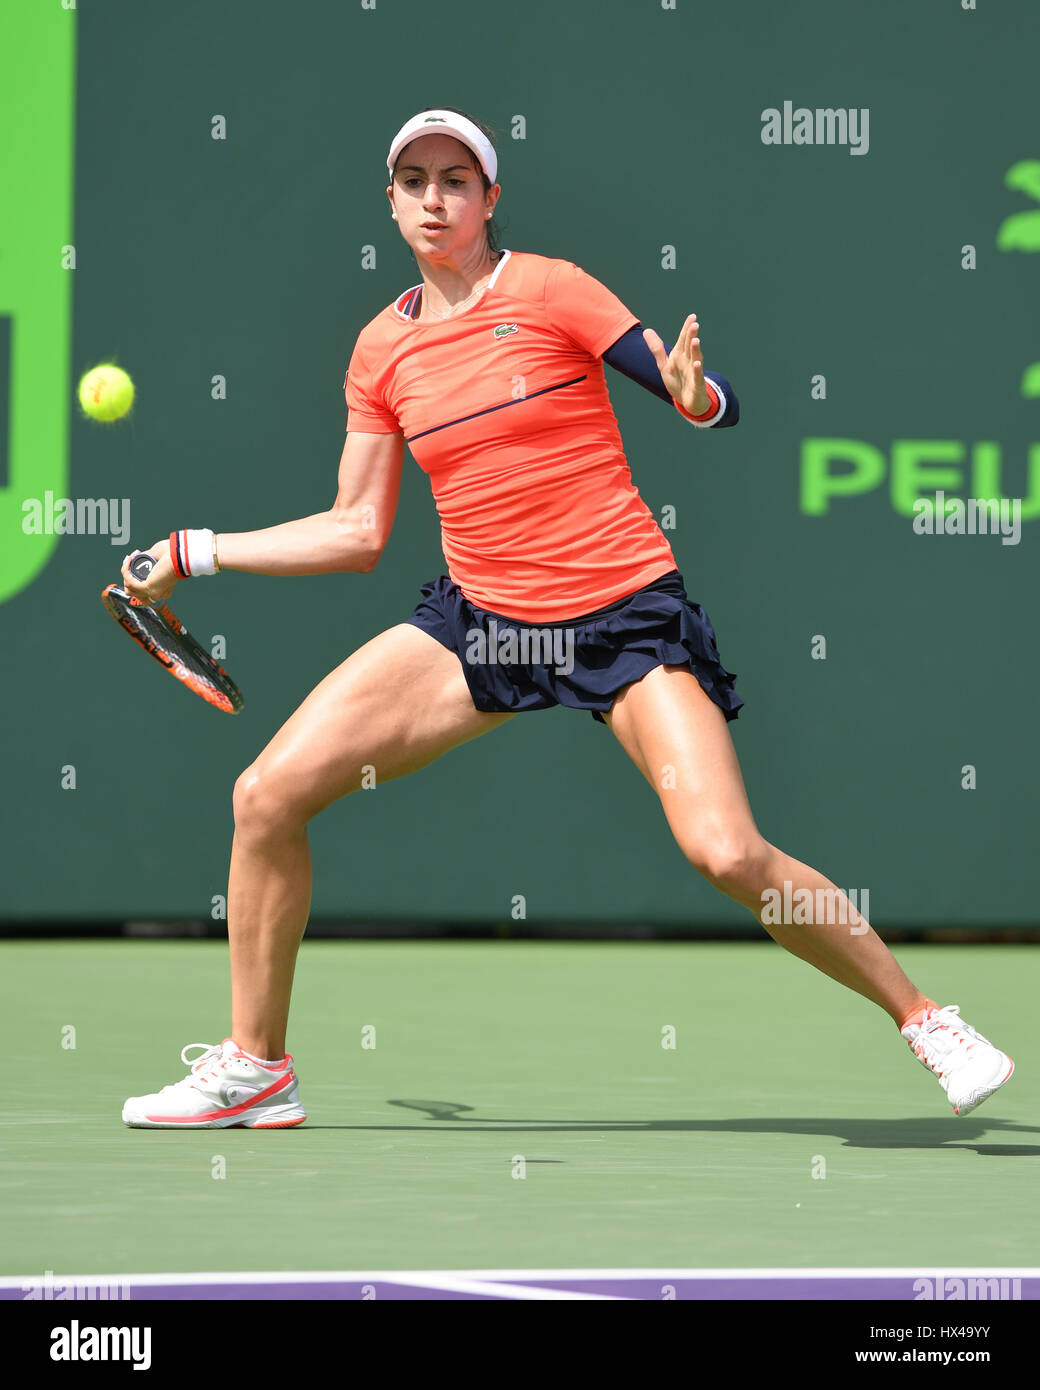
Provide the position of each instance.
(968, 1066)
(226, 1088)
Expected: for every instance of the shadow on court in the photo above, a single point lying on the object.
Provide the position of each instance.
(931, 1132)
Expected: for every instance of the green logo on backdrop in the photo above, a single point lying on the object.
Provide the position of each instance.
(839, 468)
(37, 106)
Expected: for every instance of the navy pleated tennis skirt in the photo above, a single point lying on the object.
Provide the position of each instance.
(583, 662)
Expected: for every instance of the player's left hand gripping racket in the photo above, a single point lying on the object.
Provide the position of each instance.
(169, 641)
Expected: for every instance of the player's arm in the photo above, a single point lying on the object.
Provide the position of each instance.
(350, 536)
(631, 356)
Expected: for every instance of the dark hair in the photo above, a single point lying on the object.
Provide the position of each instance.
(491, 227)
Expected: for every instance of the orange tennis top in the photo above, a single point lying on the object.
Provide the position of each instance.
(505, 407)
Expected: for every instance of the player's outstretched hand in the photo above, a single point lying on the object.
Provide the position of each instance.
(682, 370)
(160, 583)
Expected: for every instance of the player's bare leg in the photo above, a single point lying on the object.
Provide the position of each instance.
(397, 703)
(666, 720)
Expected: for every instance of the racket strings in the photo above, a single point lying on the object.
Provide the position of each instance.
(162, 634)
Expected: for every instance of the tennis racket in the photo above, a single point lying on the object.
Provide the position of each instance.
(165, 638)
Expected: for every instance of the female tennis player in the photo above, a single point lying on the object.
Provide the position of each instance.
(561, 589)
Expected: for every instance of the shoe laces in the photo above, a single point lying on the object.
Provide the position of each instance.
(937, 1037)
(204, 1067)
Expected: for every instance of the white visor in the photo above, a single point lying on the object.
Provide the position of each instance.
(438, 122)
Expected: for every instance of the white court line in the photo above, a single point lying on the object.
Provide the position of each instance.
(488, 1286)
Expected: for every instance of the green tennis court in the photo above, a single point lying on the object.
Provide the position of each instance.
(517, 1110)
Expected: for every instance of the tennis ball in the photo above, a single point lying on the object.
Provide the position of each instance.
(106, 392)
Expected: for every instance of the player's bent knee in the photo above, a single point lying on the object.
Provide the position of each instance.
(263, 807)
(729, 862)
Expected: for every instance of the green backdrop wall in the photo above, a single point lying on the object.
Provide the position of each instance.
(885, 297)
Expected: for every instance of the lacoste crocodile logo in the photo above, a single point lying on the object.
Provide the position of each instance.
(504, 329)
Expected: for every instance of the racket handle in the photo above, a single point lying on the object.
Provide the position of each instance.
(142, 565)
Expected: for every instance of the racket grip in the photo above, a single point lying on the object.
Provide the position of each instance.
(142, 565)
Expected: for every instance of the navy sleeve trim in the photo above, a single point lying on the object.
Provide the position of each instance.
(632, 358)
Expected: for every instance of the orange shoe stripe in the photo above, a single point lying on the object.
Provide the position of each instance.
(275, 1124)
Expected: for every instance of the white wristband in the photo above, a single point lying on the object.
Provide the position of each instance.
(192, 553)
(200, 552)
